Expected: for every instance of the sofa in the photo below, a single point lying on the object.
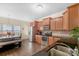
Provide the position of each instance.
(62, 49)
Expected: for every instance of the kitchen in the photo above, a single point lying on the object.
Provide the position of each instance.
(52, 29)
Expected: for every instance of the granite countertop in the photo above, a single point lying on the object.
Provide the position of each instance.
(63, 35)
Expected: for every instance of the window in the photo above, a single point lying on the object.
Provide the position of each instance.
(16, 29)
(10, 28)
(7, 28)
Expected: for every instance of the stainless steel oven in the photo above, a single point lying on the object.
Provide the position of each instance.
(47, 33)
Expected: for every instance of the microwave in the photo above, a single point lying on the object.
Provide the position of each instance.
(46, 27)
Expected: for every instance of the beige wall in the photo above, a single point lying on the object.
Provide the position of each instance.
(23, 24)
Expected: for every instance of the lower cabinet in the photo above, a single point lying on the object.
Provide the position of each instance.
(52, 40)
(56, 39)
(38, 39)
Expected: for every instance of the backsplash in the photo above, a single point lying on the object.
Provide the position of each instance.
(61, 32)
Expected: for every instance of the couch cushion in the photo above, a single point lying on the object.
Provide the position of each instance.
(54, 52)
(65, 49)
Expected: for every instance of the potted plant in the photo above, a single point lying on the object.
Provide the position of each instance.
(75, 34)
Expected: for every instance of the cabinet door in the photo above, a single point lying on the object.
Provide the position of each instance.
(38, 39)
(50, 40)
(46, 21)
(59, 23)
(52, 25)
(65, 21)
(73, 16)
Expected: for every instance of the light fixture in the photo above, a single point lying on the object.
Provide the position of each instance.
(39, 6)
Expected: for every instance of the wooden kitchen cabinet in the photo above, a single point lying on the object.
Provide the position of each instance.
(40, 26)
(73, 16)
(56, 39)
(37, 27)
(66, 20)
(59, 23)
(46, 21)
(52, 40)
(52, 25)
(34, 29)
(38, 39)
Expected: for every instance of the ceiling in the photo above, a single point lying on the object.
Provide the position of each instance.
(30, 11)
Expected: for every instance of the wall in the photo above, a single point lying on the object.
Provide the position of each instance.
(55, 15)
(23, 24)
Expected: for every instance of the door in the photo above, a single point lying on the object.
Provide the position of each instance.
(30, 32)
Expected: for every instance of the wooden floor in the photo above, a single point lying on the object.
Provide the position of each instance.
(28, 48)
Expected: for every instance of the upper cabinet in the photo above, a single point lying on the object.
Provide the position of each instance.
(46, 21)
(40, 27)
(66, 20)
(73, 16)
(52, 25)
(59, 23)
